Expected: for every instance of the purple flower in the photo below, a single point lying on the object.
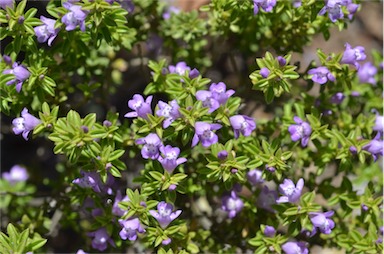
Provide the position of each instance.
(169, 11)
(130, 229)
(24, 124)
(321, 221)
(21, 74)
(164, 214)
(353, 149)
(267, 198)
(379, 124)
(242, 124)
(151, 143)
(351, 7)
(280, 59)
(333, 7)
(141, 108)
(302, 130)
(266, 5)
(264, 72)
(46, 32)
(232, 204)
(352, 55)
(169, 159)
(222, 155)
(375, 147)
(295, 248)
(166, 241)
(116, 210)
(180, 68)
(269, 231)
(337, 98)
(204, 133)
(75, 17)
(170, 112)
(208, 100)
(100, 240)
(220, 93)
(321, 75)
(291, 192)
(89, 180)
(6, 3)
(366, 73)
(80, 251)
(254, 176)
(16, 174)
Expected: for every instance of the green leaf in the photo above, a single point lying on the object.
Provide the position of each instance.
(156, 175)
(115, 155)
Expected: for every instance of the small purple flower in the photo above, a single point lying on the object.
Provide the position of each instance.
(208, 100)
(24, 124)
(302, 130)
(164, 214)
(220, 93)
(321, 75)
(100, 240)
(297, 3)
(166, 241)
(21, 74)
(75, 17)
(366, 73)
(264, 72)
(375, 147)
(266, 5)
(352, 55)
(267, 198)
(222, 155)
(170, 112)
(353, 149)
(151, 143)
(80, 251)
(270, 168)
(321, 221)
(204, 133)
(242, 124)
(254, 176)
(232, 204)
(194, 73)
(269, 231)
(351, 8)
(281, 60)
(130, 229)
(46, 32)
(169, 159)
(16, 174)
(333, 7)
(337, 98)
(295, 248)
(141, 108)
(116, 210)
(89, 180)
(169, 11)
(180, 68)
(6, 3)
(379, 124)
(291, 192)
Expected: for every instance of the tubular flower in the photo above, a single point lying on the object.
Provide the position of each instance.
(16, 174)
(141, 108)
(164, 214)
(321, 75)
(204, 133)
(266, 5)
(170, 112)
(169, 159)
(130, 229)
(291, 192)
(46, 32)
(302, 130)
(232, 204)
(151, 143)
(101, 239)
(220, 93)
(242, 124)
(321, 221)
(353, 55)
(295, 248)
(24, 124)
(208, 100)
(75, 17)
(21, 74)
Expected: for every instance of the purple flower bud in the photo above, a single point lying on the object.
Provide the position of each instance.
(151, 143)
(85, 129)
(222, 155)
(21, 20)
(379, 124)
(364, 207)
(25, 124)
(170, 112)
(264, 72)
(353, 149)
(242, 124)
(166, 241)
(337, 98)
(296, 3)
(169, 159)
(194, 73)
(204, 133)
(80, 251)
(254, 176)
(164, 214)
(355, 94)
(321, 75)
(107, 123)
(352, 55)
(295, 248)
(7, 59)
(100, 239)
(269, 231)
(130, 229)
(172, 187)
(141, 108)
(321, 221)
(234, 170)
(220, 93)
(375, 147)
(232, 204)
(47, 31)
(366, 73)
(266, 5)
(169, 11)
(302, 130)
(21, 74)
(291, 193)
(75, 17)
(270, 168)
(16, 174)
(281, 60)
